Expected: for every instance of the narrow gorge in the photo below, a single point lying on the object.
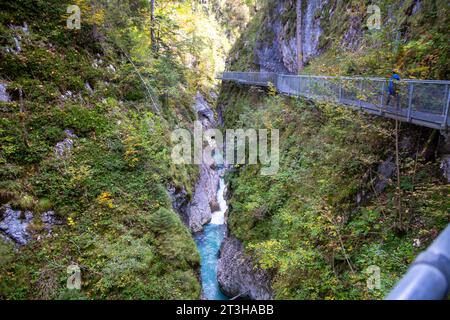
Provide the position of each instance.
(206, 213)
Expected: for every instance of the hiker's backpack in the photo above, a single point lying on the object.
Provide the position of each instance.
(393, 84)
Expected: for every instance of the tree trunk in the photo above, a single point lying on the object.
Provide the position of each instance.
(299, 36)
(398, 193)
(22, 119)
(152, 25)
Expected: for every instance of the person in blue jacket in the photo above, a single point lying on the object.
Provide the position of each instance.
(393, 89)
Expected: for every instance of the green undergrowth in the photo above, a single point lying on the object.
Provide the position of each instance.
(319, 226)
(109, 191)
(304, 225)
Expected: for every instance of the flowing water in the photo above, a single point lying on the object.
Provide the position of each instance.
(208, 244)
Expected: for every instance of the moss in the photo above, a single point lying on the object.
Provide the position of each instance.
(25, 202)
(43, 205)
(122, 150)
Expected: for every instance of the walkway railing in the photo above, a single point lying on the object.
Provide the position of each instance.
(422, 102)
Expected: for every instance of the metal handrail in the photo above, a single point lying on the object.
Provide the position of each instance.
(423, 102)
(335, 77)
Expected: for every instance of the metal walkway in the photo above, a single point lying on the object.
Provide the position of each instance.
(422, 102)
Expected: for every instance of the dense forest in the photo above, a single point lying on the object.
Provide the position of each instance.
(109, 97)
(86, 173)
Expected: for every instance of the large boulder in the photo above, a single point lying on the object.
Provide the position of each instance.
(237, 274)
(64, 147)
(14, 224)
(199, 210)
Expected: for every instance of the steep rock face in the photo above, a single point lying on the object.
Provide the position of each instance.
(204, 113)
(444, 153)
(180, 201)
(445, 167)
(237, 274)
(311, 29)
(199, 209)
(353, 36)
(19, 33)
(278, 53)
(385, 171)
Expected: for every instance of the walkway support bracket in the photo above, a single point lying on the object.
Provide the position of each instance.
(410, 98)
(446, 107)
